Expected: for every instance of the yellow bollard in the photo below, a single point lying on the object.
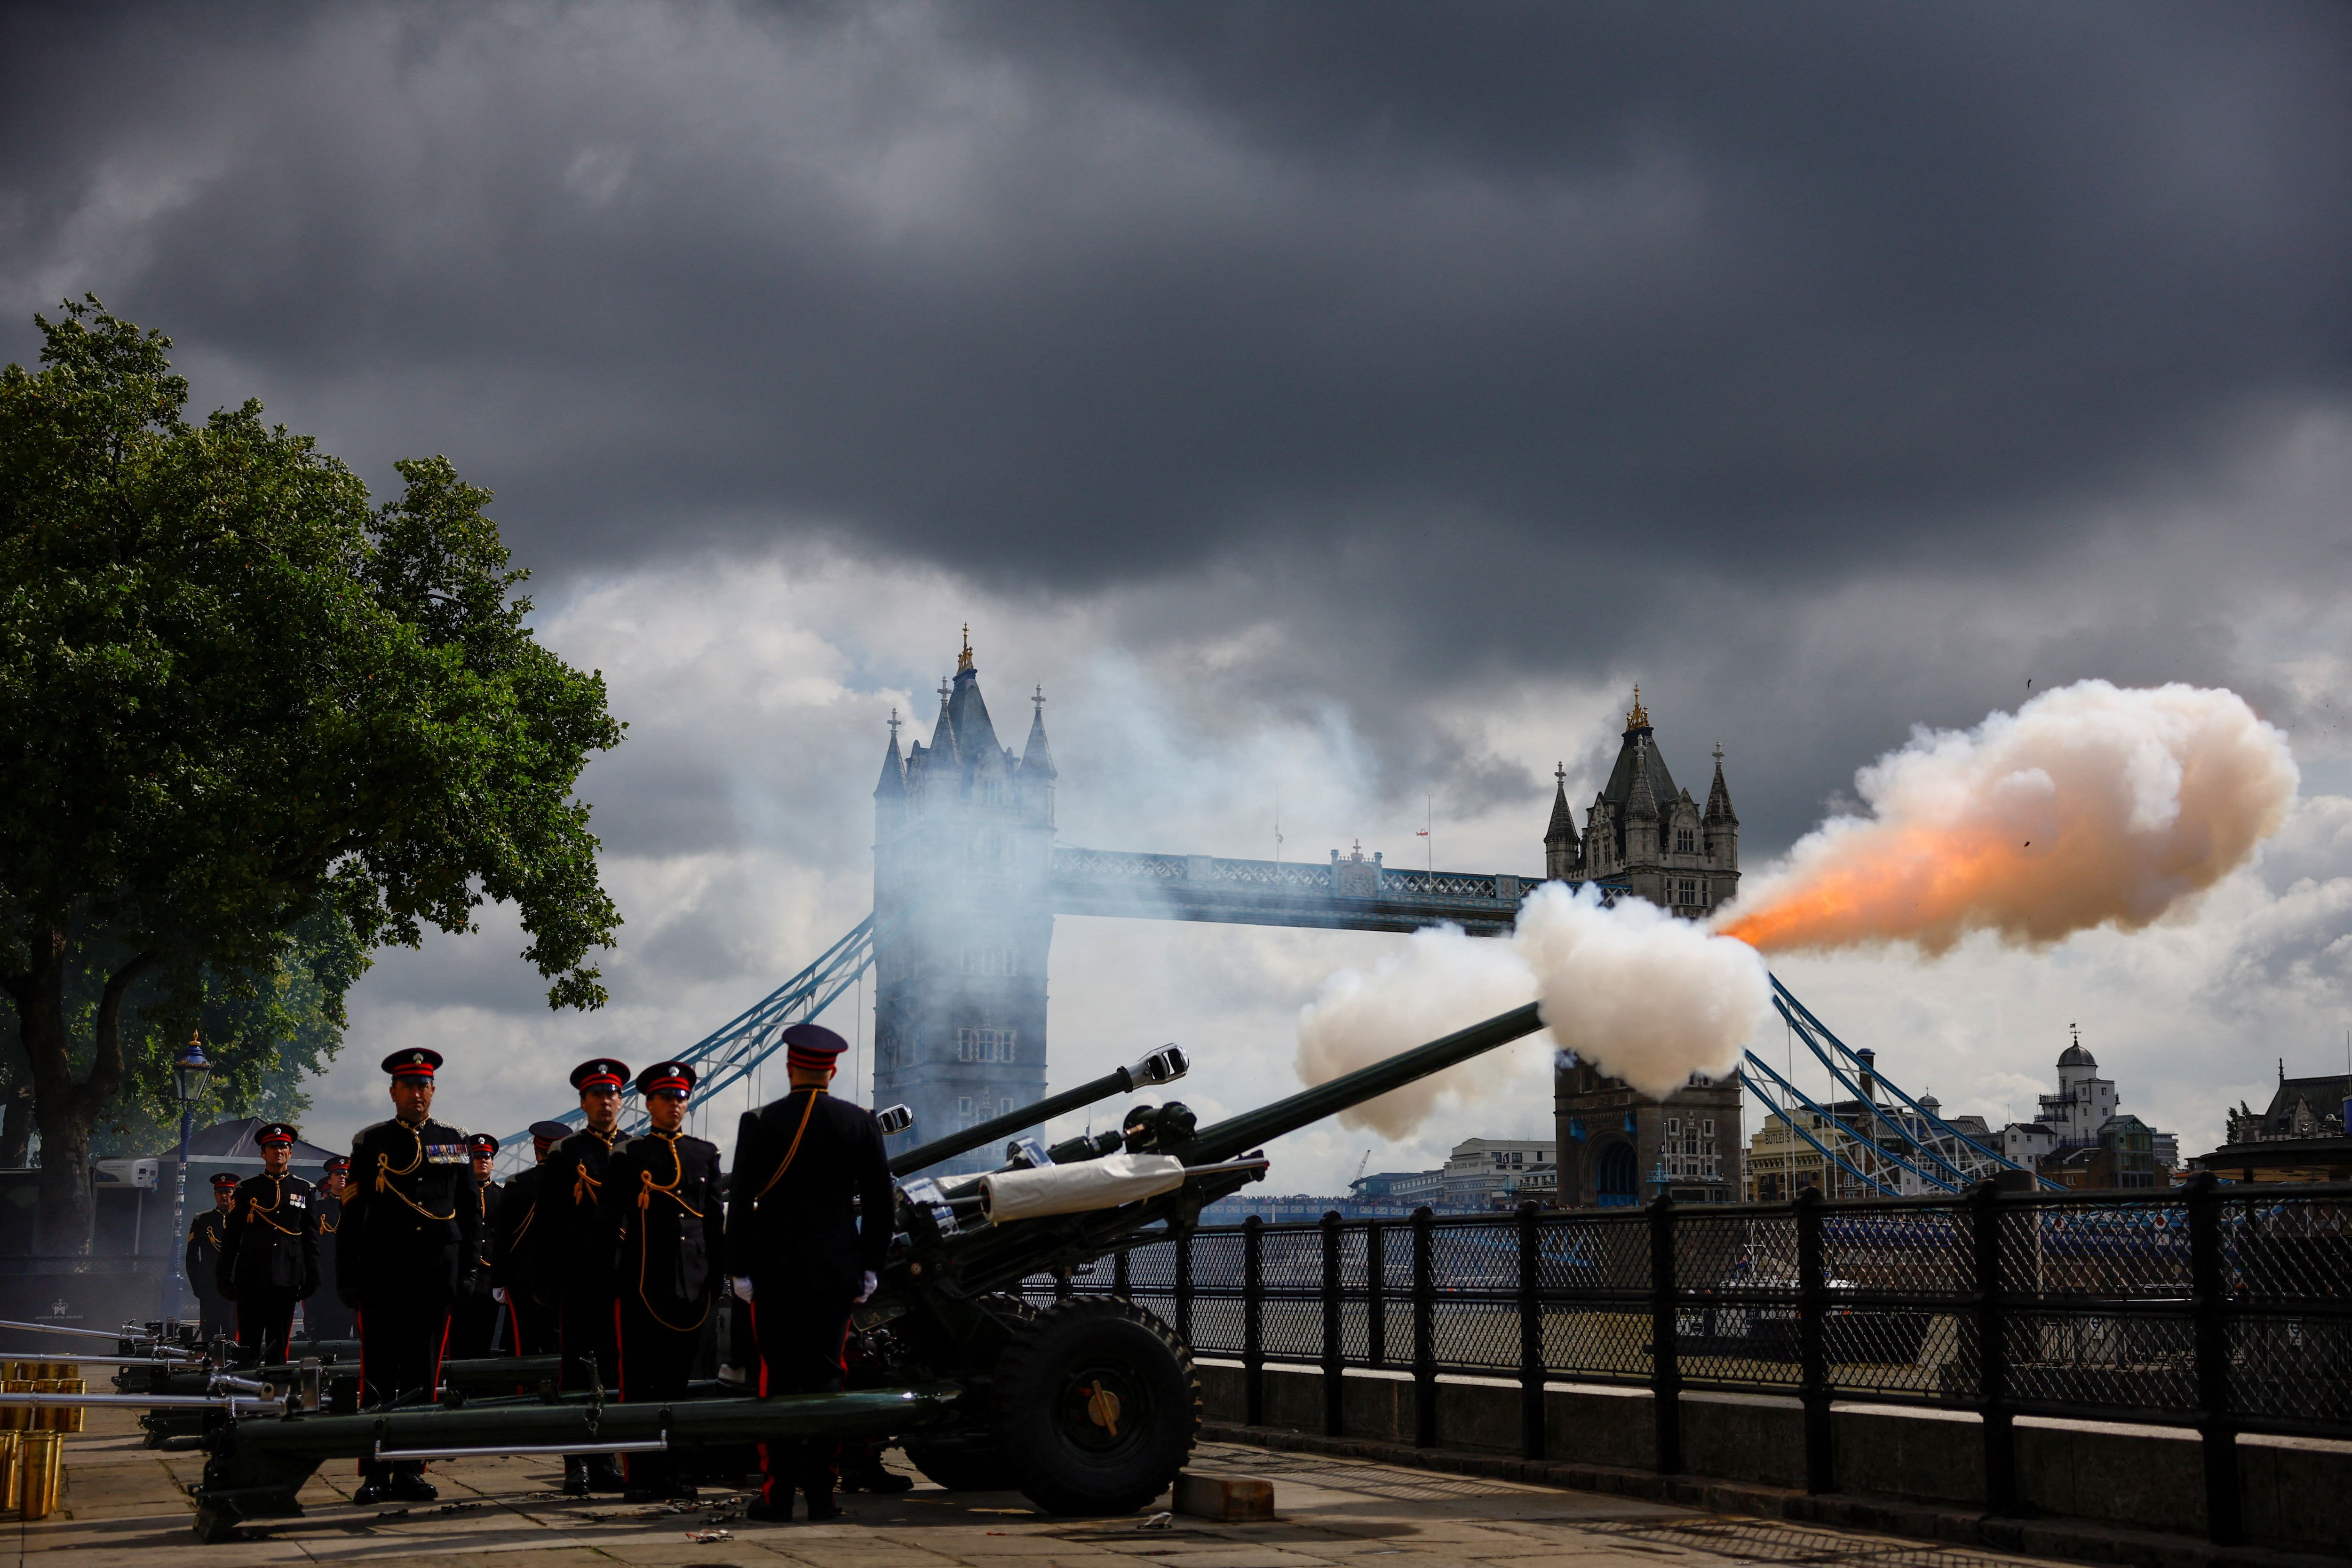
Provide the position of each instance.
(11, 1464)
(39, 1473)
(15, 1417)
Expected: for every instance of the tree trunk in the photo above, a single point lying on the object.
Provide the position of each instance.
(16, 1127)
(66, 1111)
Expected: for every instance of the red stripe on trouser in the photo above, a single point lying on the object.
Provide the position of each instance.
(767, 1464)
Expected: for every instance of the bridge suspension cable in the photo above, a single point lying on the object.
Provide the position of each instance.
(1822, 1117)
(1815, 1033)
(733, 1051)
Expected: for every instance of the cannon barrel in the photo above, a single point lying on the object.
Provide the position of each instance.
(1254, 1129)
(1163, 1066)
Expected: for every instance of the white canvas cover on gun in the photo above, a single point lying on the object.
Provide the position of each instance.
(1077, 1188)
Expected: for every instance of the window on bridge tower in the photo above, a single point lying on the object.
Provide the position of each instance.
(985, 1044)
(1685, 842)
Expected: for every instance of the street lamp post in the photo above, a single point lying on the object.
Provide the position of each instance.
(188, 1075)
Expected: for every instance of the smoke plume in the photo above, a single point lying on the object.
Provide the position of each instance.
(1640, 995)
(2090, 806)
(1439, 982)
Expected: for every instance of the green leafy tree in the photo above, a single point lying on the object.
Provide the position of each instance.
(235, 698)
(264, 1032)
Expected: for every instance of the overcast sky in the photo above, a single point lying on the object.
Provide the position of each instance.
(1351, 402)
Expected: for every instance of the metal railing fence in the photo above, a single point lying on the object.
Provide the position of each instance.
(2224, 1308)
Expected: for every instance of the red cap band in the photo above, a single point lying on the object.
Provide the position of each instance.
(600, 1081)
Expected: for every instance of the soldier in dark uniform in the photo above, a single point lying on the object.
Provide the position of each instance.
(269, 1256)
(407, 1248)
(204, 1238)
(799, 1251)
(571, 1252)
(530, 1313)
(661, 1200)
(473, 1323)
(324, 1316)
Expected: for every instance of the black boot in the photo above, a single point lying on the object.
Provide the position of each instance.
(575, 1475)
(821, 1506)
(372, 1487)
(408, 1485)
(605, 1474)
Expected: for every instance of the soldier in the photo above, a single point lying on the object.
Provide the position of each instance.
(530, 1313)
(269, 1256)
(406, 1249)
(571, 1253)
(661, 1201)
(473, 1323)
(324, 1316)
(203, 1260)
(808, 1223)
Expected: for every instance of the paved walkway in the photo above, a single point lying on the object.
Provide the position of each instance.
(123, 1509)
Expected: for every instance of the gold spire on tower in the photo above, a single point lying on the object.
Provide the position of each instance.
(1640, 717)
(963, 660)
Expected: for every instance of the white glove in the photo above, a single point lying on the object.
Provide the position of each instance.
(865, 1283)
(499, 1295)
(741, 1285)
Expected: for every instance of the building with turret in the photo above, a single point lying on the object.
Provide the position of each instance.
(963, 848)
(1643, 833)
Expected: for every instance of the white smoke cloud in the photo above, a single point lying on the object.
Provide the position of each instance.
(2091, 806)
(1439, 982)
(1640, 995)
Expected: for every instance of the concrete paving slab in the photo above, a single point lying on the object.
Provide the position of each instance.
(125, 1507)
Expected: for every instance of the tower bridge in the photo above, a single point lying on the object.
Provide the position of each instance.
(968, 883)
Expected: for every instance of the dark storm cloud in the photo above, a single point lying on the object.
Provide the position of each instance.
(1466, 341)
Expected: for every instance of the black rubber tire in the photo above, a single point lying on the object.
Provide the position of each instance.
(1097, 1406)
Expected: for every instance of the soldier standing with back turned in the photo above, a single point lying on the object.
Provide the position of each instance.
(799, 1251)
(406, 1249)
(572, 1250)
(270, 1252)
(661, 1200)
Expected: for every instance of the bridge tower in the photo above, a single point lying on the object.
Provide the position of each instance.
(963, 850)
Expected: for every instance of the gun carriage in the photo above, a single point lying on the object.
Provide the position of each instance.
(1086, 1406)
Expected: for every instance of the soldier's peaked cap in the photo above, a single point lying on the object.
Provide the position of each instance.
(339, 1162)
(483, 1144)
(550, 1132)
(665, 1078)
(417, 1061)
(274, 1133)
(813, 1047)
(600, 1073)
(224, 1179)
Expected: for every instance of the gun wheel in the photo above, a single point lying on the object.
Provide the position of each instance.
(1097, 1405)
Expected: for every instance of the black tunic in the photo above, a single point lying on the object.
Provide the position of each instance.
(800, 1223)
(571, 1246)
(517, 1217)
(411, 1216)
(272, 1239)
(661, 1202)
(204, 1237)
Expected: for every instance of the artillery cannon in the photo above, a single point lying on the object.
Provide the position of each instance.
(1086, 1406)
